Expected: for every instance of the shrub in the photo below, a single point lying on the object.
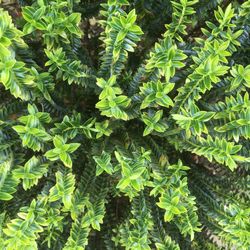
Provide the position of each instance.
(114, 136)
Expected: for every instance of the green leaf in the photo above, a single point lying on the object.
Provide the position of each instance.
(32, 171)
(63, 189)
(65, 158)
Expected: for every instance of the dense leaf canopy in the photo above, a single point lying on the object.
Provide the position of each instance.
(124, 124)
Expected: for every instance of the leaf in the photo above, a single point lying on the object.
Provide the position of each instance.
(65, 158)
(58, 141)
(32, 171)
(63, 189)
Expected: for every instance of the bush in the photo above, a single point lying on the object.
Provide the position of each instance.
(114, 136)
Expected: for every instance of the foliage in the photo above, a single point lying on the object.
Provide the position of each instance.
(113, 136)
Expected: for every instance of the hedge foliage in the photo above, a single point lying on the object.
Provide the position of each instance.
(124, 124)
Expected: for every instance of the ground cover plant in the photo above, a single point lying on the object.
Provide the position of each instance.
(124, 124)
